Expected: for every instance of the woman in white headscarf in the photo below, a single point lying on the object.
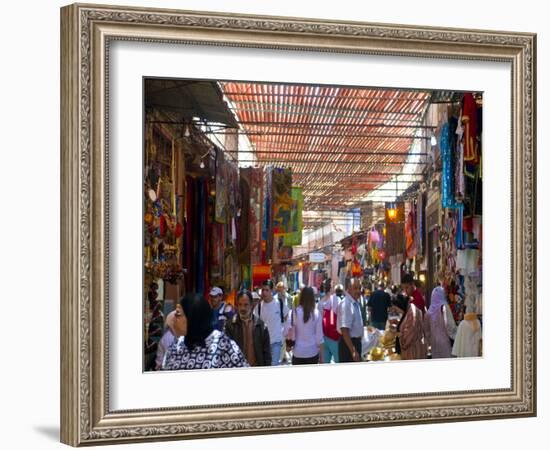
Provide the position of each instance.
(439, 326)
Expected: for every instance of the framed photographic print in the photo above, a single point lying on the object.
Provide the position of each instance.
(285, 224)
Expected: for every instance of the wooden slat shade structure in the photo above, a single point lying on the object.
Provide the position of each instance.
(341, 142)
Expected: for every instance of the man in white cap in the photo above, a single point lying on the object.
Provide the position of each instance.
(255, 299)
(221, 312)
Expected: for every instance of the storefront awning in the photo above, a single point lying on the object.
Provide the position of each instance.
(183, 100)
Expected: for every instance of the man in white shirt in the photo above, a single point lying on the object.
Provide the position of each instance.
(350, 324)
(283, 295)
(273, 312)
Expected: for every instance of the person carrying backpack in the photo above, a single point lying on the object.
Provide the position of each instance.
(273, 313)
(329, 308)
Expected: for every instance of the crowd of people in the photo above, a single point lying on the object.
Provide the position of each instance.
(268, 326)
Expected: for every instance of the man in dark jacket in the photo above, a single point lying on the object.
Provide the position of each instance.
(249, 332)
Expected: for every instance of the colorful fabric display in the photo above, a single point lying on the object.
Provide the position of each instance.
(447, 188)
(243, 219)
(221, 188)
(295, 236)
(282, 201)
(255, 215)
(470, 122)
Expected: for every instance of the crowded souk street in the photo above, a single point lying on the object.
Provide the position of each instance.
(289, 224)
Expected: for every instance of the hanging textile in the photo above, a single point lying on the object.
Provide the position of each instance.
(448, 242)
(228, 270)
(410, 234)
(319, 277)
(395, 238)
(255, 215)
(221, 187)
(447, 188)
(335, 262)
(243, 219)
(235, 274)
(216, 254)
(296, 284)
(233, 197)
(374, 239)
(195, 235)
(419, 224)
(459, 162)
(395, 273)
(467, 261)
(281, 252)
(356, 269)
(295, 235)
(459, 229)
(395, 232)
(470, 122)
(201, 235)
(473, 195)
(208, 214)
(260, 273)
(267, 228)
(266, 203)
(310, 279)
(188, 250)
(282, 200)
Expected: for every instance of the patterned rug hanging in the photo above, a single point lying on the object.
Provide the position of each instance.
(255, 214)
(296, 223)
(282, 201)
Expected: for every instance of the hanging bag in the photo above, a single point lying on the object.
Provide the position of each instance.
(290, 334)
(329, 323)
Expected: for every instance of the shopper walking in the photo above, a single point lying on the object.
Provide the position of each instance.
(221, 311)
(329, 309)
(203, 347)
(400, 305)
(249, 332)
(410, 343)
(307, 329)
(286, 299)
(283, 295)
(273, 313)
(350, 324)
(378, 305)
(409, 287)
(439, 326)
(363, 305)
(167, 339)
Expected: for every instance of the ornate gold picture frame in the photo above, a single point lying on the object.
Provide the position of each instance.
(87, 31)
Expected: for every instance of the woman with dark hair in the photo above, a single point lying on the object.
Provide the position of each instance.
(305, 322)
(203, 347)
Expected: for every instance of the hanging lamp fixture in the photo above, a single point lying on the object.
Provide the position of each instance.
(392, 210)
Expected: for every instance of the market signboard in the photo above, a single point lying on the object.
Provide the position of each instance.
(316, 257)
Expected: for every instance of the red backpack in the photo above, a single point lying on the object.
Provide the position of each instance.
(329, 324)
